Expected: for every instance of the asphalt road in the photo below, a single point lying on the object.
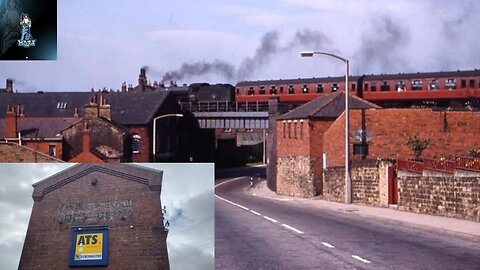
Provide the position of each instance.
(252, 232)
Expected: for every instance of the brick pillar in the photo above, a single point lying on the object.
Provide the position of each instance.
(11, 123)
(104, 109)
(86, 139)
(91, 109)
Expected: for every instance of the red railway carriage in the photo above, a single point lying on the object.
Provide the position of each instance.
(427, 86)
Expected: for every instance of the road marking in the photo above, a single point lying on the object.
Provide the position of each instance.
(271, 219)
(327, 245)
(360, 259)
(292, 228)
(256, 213)
(230, 202)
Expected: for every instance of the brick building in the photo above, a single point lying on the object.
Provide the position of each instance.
(13, 152)
(131, 112)
(299, 137)
(122, 202)
(311, 138)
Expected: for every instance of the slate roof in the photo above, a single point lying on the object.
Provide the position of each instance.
(128, 108)
(327, 106)
(48, 127)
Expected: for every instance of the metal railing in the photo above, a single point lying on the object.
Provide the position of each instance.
(441, 165)
(225, 106)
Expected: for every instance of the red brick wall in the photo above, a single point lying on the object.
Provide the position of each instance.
(295, 144)
(137, 241)
(145, 143)
(43, 147)
(450, 133)
(11, 152)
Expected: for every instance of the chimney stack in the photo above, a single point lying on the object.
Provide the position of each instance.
(86, 138)
(76, 113)
(130, 88)
(104, 109)
(9, 86)
(124, 87)
(142, 79)
(91, 109)
(11, 123)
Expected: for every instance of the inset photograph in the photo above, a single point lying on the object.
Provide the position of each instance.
(119, 216)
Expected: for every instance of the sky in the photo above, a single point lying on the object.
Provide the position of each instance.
(187, 193)
(104, 43)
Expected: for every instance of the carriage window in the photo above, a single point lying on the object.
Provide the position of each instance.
(281, 89)
(353, 87)
(385, 86)
(262, 90)
(450, 84)
(464, 84)
(319, 88)
(373, 88)
(433, 84)
(273, 90)
(334, 87)
(416, 85)
(365, 87)
(472, 84)
(251, 92)
(400, 86)
(305, 89)
(238, 91)
(291, 90)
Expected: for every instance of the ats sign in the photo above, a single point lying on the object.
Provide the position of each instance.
(89, 247)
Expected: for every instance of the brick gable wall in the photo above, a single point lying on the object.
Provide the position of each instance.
(132, 211)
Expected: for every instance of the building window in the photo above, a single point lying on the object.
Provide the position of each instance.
(289, 130)
(295, 129)
(262, 90)
(305, 89)
(61, 105)
(400, 86)
(416, 85)
(450, 84)
(52, 150)
(433, 85)
(284, 127)
(273, 90)
(291, 90)
(136, 143)
(334, 87)
(385, 86)
(319, 88)
(251, 92)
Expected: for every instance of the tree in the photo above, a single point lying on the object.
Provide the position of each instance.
(417, 146)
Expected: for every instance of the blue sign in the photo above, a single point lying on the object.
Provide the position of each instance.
(89, 246)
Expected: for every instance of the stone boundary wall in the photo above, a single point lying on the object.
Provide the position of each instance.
(368, 183)
(457, 197)
(295, 176)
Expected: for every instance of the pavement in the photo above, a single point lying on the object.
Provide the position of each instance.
(465, 229)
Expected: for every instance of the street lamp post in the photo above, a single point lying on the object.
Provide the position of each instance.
(155, 129)
(348, 183)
